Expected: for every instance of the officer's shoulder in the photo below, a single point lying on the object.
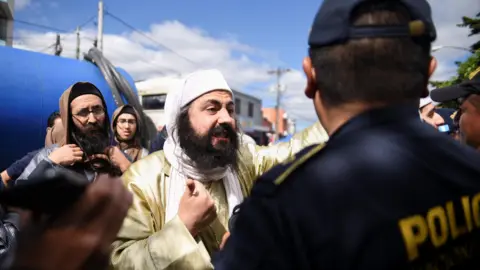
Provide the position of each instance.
(269, 182)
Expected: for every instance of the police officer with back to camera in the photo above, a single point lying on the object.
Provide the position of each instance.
(387, 191)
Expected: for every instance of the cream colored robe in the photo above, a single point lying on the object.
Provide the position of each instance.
(147, 242)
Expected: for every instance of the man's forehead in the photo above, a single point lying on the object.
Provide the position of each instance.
(473, 99)
(86, 101)
(222, 96)
(126, 116)
(429, 107)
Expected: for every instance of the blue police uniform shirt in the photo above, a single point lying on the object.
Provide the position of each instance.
(386, 192)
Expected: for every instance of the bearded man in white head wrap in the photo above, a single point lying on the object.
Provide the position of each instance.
(185, 194)
(428, 114)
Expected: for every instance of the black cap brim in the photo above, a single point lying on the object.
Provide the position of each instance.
(449, 93)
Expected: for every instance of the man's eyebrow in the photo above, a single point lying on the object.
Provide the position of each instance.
(213, 102)
(93, 107)
(217, 102)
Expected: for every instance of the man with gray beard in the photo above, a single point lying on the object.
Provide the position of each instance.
(184, 195)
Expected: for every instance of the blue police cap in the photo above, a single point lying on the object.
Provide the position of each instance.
(332, 24)
(464, 89)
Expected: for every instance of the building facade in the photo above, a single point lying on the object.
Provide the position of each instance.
(249, 112)
(287, 125)
(6, 22)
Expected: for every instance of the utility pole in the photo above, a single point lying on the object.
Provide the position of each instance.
(278, 72)
(100, 25)
(77, 51)
(58, 46)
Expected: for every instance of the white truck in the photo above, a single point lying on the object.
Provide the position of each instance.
(153, 93)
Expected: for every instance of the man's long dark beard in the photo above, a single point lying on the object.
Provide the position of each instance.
(95, 141)
(199, 148)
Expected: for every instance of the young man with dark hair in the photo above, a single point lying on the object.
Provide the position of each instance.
(387, 191)
(11, 174)
(53, 119)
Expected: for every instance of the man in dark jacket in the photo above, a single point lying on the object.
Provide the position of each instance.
(86, 136)
(54, 129)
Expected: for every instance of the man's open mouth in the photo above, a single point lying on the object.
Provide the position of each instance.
(221, 135)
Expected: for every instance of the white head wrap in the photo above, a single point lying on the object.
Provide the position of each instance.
(424, 102)
(193, 86)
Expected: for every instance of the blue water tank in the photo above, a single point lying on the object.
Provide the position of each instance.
(30, 87)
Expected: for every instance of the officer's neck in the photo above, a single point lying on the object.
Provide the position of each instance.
(334, 117)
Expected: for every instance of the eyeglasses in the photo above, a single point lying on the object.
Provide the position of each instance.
(124, 121)
(97, 111)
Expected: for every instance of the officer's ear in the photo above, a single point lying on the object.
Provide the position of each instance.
(310, 88)
(431, 69)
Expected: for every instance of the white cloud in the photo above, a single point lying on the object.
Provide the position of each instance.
(446, 15)
(191, 49)
(143, 58)
(21, 4)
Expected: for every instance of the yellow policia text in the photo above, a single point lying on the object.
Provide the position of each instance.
(439, 225)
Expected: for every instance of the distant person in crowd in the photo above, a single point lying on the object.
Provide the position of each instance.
(184, 195)
(127, 127)
(77, 238)
(386, 191)
(467, 94)
(54, 135)
(159, 141)
(53, 119)
(429, 114)
(54, 129)
(84, 147)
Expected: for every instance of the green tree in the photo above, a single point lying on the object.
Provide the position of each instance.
(474, 25)
(463, 71)
(470, 64)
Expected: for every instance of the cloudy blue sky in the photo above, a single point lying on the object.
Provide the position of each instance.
(244, 38)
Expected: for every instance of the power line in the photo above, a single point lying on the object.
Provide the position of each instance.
(47, 48)
(54, 29)
(41, 26)
(122, 22)
(148, 37)
(131, 27)
(88, 21)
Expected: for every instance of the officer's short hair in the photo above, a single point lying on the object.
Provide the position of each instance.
(373, 70)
